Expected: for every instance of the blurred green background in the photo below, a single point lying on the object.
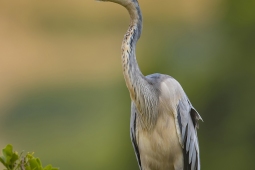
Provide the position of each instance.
(64, 97)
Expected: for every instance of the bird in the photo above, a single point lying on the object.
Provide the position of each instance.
(163, 123)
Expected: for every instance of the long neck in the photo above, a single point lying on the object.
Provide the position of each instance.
(141, 91)
(131, 71)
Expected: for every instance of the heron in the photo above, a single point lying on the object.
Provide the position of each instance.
(163, 124)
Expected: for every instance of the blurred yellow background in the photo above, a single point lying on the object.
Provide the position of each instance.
(62, 91)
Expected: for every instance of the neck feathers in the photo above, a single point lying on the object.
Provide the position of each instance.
(141, 91)
(131, 71)
(136, 17)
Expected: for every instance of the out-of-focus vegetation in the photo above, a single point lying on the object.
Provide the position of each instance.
(13, 161)
(63, 94)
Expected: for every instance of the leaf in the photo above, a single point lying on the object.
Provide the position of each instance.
(7, 152)
(27, 168)
(30, 155)
(39, 163)
(49, 167)
(2, 160)
(14, 158)
(35, 164)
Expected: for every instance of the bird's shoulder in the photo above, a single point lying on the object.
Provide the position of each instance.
(157, 77)
(160, 78)
(167, 85)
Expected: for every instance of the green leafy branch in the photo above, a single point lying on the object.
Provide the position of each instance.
(12, 161)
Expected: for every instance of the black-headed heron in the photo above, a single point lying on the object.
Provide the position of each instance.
(164, 123)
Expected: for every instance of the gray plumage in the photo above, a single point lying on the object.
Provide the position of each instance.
(163, 125)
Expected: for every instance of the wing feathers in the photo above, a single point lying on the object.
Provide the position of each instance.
(186, 121)
(133, 134)
(194, 156)
(189, 119)
(191, 149)
(188, 139)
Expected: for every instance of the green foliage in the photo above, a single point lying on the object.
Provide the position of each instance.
(12, 161)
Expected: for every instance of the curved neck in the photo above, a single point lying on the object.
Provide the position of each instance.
(142, 93)
(131, 71)
(136, 19)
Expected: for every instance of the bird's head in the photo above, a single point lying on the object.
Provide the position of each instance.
(121, 2)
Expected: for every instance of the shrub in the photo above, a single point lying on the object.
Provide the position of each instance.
(13, 161)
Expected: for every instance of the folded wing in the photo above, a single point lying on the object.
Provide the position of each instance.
(186, 121)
